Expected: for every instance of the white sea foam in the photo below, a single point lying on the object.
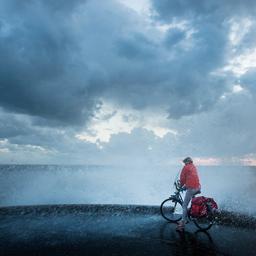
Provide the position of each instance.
(232, 187)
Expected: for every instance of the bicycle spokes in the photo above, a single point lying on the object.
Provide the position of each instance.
(171, 210)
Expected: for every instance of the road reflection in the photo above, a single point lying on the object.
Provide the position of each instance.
(187, 243)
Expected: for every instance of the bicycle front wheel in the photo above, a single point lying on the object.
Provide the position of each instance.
(171, 210)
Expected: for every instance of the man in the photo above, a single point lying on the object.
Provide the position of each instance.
(190, 180)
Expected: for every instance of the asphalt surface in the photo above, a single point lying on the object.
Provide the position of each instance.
(103, 230)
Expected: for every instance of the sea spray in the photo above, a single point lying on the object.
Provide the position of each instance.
(231, 187)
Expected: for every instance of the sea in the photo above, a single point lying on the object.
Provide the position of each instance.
(232, 187)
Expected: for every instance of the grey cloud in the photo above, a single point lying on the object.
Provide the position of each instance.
(248, 81)
(56, 7)
(136, 48)
(47, 144)
(171, 9)
(20, 129)
(225, 131)
(11, 126)
(196, 9)
(173, 37)
(185, 83)
(131, 148)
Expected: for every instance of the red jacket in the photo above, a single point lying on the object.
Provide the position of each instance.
(189, 176)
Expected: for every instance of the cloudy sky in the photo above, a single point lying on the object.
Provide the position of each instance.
(126, 81)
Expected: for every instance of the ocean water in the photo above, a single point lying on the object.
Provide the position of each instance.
(232, 187)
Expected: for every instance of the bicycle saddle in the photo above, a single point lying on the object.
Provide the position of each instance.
(198, 192)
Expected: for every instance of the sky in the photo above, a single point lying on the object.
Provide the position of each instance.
(127, 82)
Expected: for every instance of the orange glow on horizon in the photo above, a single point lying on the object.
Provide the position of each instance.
(211, 161)
(208, 161)
(248, 161)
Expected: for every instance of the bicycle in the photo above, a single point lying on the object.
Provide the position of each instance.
(171, 210)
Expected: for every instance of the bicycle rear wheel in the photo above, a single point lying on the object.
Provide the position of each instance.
(171, 210)
(203, 223)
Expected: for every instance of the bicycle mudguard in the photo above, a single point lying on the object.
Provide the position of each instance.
(175, 198)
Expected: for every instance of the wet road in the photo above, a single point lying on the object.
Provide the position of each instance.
(99, 231)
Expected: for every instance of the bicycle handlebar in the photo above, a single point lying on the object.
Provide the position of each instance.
(178, 188)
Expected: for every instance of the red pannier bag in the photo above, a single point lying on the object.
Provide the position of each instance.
(199, 206)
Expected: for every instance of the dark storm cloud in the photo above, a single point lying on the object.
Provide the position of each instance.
(40, 74)
(60, 57)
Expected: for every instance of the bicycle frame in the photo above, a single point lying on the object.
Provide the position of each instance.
(177, 196)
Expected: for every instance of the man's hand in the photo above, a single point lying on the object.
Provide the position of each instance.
(183, 188)
(180, 187)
